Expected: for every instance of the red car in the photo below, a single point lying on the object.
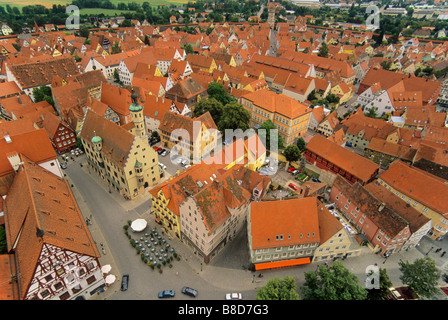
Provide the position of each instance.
(158, 148)
(291, 169)
(293, 186)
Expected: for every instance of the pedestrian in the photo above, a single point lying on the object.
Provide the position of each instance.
(443, 253)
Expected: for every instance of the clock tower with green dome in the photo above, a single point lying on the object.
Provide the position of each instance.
(137, 117)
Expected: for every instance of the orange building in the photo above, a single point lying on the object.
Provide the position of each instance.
(289, 116)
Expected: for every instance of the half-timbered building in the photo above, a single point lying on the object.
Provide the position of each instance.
(55, 257)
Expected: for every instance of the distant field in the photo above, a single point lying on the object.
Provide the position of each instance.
(106, 12)
(21, 3)
(50, 3)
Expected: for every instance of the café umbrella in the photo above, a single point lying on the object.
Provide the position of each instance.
(138, 225)
(110, 279)
(106, 268)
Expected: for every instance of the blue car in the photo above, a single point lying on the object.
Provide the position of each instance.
(166, 294)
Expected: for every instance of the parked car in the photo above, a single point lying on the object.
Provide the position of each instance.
(234, 296)
(264, 172)
(63, 165)
(315, 180)
(294, 172)
(348, 144)
(125, 282)
(293, 186)
(166, 294)
(291, 169)
(395, 294)
(189, 291)
(164, 153)
(160, 151)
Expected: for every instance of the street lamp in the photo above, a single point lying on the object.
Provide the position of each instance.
(429, 251)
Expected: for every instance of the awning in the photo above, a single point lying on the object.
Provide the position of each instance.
(282, 264)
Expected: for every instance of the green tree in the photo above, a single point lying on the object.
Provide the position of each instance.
(116, 75)
(43, 93)
(216, 90)
(116, 48)
(334, 282)
(278, 289)
(126, 23)
(371, 113)
(264, 132)
(3, 243)
(234, 116)
(301, 144)
(211, 105)
(386, 64)
(383, 292)
(292, 153)
(84, 32)
(188, 49)
(422, 275)
(323, 50)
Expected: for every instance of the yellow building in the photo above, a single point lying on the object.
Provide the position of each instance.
(194, 138)
(249, 151)
(343, 91)
(203, 63)
(289, 116)
(335, 240)
(123, 159)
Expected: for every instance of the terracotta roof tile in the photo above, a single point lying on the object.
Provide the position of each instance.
(117, 141)
(418, 185)
(345, 159)
(294, 219)
(387, 219)
(40, 200)
(34, 74)
(278, 103)
(35, 145)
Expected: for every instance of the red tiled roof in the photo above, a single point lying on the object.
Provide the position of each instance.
(35, 145)
(294, 219)
(117, 141)
(386, 219)
(345, 159)
(418, 185)
(40, 200)
(279, 103)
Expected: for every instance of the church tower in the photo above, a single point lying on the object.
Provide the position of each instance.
(271, 14)
(137, 117)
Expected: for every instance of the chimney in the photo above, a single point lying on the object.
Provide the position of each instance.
(14, 160)
(307, 191)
